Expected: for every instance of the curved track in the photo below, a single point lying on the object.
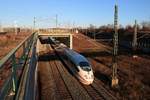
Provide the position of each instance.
(76, 89)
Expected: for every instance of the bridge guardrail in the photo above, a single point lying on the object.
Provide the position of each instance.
(11, 83)
(28, 89)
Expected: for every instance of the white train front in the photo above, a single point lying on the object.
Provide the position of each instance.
(79, 65)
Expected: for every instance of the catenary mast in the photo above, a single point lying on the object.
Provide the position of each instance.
(115, 49)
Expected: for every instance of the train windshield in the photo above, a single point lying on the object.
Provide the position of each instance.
(85, 66)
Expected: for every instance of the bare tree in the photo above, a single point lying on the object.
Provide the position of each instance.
(145, 25)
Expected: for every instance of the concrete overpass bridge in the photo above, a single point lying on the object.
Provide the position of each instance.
(57, 33)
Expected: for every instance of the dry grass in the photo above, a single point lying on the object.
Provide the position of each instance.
(10, 41)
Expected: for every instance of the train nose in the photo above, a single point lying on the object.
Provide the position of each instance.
(90, 81)
(88, 77)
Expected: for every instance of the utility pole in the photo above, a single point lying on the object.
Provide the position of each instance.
(86, 31)
(134, 46)
(56, 20)
(15, 26)
(73, 29)
(34, 23)
(114, 80)
(94, 32)
(0, 26)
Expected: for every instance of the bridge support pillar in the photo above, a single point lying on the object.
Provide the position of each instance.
(71, 41)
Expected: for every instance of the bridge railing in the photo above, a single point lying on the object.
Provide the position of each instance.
(28, 88)
(12, 64)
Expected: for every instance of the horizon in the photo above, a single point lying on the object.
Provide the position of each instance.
(71, 13)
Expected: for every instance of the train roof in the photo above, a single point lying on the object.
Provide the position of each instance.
(76, 57)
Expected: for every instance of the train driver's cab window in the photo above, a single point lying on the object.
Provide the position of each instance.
(85, 66)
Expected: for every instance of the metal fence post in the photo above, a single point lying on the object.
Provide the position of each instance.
(23, 56)
(24, 51)
(14, 65)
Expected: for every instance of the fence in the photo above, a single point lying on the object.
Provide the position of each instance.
(12, 81)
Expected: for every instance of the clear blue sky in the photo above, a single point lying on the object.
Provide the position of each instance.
(81, 12)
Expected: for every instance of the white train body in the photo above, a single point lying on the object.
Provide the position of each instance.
(79, 65)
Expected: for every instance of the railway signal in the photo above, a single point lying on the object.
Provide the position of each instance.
(114, 81)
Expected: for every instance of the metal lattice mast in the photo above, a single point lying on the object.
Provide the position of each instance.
(115, 49)
(135, 36)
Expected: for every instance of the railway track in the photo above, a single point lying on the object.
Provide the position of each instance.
(75, 90)
(102, 90)
(95, 90)
(62, 89)
(91, 92)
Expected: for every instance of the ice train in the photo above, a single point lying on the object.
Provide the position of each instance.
(78, 64)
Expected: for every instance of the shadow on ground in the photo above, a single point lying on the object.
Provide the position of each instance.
(104, 78)
(95, 53)
(47, 57)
